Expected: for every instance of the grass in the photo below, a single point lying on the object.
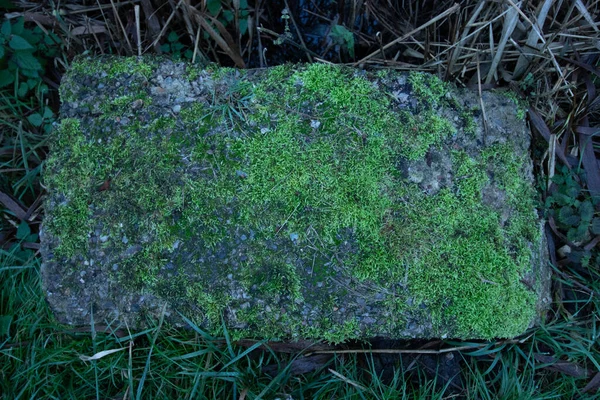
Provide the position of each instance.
(40, 359)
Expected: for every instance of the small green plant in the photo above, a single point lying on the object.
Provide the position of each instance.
(25, 120)
(224, 11)
(520, 103)
(343, 37)
(220, 15)
(287, 33)
(527, 85)
(175, 48)
(572, 208)
(428, 88)
(23, 55)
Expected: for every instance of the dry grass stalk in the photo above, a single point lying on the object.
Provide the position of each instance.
(137, 30)
(443, 15)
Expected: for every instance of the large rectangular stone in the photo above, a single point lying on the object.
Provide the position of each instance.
(293, 202)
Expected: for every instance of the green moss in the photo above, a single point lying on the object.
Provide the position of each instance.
(296, 167)
(192, 72)
(68, 175)
(137, 69)
(519, 102)
(141, 200)
(429, 89)
(418, 133)
(466, 269)
(460, 266)
(300, 158)
(116, 66)
(332, 332)
(469, 126)
(122, 104)
(212, 304)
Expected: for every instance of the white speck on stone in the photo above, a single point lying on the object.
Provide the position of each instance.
(176, 244)
(99, 140)
(315, 124)
(125, 240)
(82, 273)
(104, 238)
(230, 276)
(86, 262)
(176, 108)
(264, 130)
(81, 280)
(115, 267)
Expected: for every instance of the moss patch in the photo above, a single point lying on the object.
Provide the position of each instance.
(270, 190)
(519, 102)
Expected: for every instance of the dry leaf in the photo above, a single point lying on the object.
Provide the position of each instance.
(88, 30)
(100, 354)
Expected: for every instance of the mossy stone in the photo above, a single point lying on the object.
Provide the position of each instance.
(308, 201)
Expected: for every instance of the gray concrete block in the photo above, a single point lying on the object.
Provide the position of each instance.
(293, 202)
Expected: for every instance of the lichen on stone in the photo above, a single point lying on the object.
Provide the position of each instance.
(299, 201)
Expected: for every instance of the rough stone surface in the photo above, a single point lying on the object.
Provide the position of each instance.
(293, 202)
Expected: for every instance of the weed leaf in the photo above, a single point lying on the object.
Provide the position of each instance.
(596, 226)
(586, 210)
(5, 30)
(214, 6)
(172, 37)
(227, 16)
(6, 78)
(47, 111)
(19, 27)
(577, 234)
(566, 216)
(22, 89)
(343, 36)
(35, 119)
(23, 230)
(573, 192)
(561, 199)
(243, 26)
(26, 60)
(18, 43)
